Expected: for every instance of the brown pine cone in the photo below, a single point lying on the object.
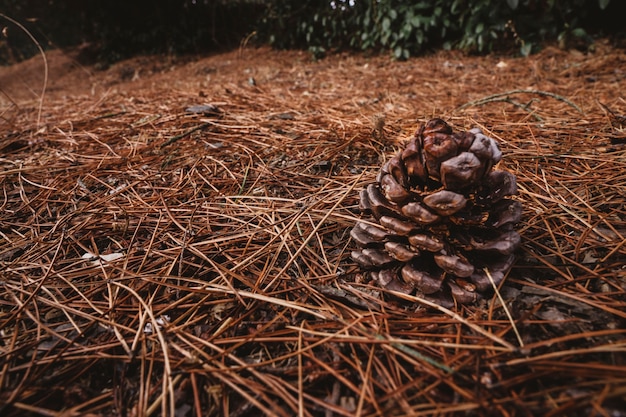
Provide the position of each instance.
(438, 215)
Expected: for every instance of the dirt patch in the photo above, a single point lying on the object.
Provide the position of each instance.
(174, 237)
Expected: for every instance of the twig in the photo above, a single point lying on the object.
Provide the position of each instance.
(617, 117)
(45, 64)
(182, 135)
(498, 97)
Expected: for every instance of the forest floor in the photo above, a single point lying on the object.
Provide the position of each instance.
(174, 237)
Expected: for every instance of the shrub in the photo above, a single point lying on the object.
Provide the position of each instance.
(408, 28)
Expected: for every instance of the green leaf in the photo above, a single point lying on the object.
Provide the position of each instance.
(386, 24)
(512, 3)
(579, 32)
(422, 5)
(420, 37)
(393, 14)
(603, 4)
(406, 31)
(456, 6)
(397, 52)
(384, 39)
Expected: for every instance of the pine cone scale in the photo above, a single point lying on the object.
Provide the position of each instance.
(445, 202)
(427, 282)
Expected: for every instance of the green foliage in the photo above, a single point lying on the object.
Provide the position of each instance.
(403, 28)
(408, 28)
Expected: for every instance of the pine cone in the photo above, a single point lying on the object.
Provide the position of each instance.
(438, 216)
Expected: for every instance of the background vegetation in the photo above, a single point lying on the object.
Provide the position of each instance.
(408, 28)
(115, 28)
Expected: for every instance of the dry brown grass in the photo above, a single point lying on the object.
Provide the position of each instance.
(232, 292)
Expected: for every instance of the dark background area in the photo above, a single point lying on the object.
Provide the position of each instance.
(109, 30)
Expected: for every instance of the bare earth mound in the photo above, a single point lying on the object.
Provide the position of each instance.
(174, 238)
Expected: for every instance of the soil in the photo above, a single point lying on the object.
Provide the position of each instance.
(175, 237)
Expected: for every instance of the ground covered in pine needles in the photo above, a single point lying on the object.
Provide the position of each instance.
(174, 237)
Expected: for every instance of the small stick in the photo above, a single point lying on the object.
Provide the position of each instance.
(619, 118)
(182, 135)
(45, 63)
(496, 97)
